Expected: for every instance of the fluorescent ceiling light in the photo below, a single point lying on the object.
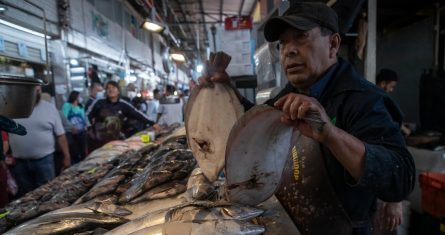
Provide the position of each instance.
(21, 28)
(74, 62)
(178, 57)
(199, 68)
(3, 8)
(77, 78)
(152, 26)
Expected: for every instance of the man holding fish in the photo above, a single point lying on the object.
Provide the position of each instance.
(355, 145)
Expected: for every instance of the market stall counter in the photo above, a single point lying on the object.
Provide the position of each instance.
(133, 187)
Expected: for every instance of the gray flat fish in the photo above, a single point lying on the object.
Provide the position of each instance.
(210, 114)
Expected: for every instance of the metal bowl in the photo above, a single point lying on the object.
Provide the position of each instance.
(17, 95)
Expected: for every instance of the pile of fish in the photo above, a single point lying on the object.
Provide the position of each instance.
(60, 192)
(200, 217)
(128, 187)
(115, 162)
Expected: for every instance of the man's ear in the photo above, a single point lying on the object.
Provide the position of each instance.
(335, 41)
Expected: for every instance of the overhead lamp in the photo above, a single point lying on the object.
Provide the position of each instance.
(199, 68)
(178, 57)
(74, 62)
(153, 26)
(3, 9)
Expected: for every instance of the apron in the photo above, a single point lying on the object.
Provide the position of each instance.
(306, 192)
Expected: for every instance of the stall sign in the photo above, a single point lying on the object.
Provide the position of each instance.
(235, 22)
(23, 49)
(100, 25)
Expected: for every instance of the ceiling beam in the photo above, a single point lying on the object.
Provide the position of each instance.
(221, 4)
(241, 7)
(201, 9)
(196, 22)
(253, 7)
(181, 8)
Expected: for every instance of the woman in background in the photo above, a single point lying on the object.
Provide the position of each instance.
(74, 112)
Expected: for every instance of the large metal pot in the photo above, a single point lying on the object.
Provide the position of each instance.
(18, 93)
(17, 96)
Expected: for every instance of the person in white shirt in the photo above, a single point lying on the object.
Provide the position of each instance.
(170, 107)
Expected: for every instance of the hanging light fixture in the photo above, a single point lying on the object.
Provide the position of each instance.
(151, 24)
(178, 56)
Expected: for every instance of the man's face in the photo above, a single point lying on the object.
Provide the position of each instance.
(112, 91)
(388, 86)
(96, 89)
(305, 56)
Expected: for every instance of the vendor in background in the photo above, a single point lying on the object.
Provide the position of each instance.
(4, 195)
(387, 80)
(153, 105)
(389, 214)
(170, 107)
(75, 114)
(34, 151)
(337, 168)
(108, 116)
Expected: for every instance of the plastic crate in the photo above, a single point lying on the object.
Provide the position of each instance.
(433, 193)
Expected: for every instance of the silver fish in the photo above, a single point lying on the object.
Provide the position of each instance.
(198, 186)
(67, 223)
(199, 211)
(214, 227)
(162, 191)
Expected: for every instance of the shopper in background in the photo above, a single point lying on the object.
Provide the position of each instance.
(357, 153)
(96, 92)
(153, 105)
(74, 112)
(4, 195)
(34, 151)
(93, 76)
(170, 107)
(108, 116)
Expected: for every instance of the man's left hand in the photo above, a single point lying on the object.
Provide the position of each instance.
(296, 108)
(66, 162)
(392, 215)
(157, 127)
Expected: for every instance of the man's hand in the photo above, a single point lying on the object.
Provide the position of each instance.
(74, 131)
(215, 69)
(305, 114)
(66, 162)
(157, 127)
(392, 215)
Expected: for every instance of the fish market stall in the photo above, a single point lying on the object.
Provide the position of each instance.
(139, 188)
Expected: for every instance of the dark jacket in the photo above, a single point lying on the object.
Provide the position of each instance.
(368, 113)
(110, 119)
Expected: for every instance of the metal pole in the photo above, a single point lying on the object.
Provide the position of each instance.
(371, 41)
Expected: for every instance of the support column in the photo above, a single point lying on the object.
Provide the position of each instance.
(371, 42)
